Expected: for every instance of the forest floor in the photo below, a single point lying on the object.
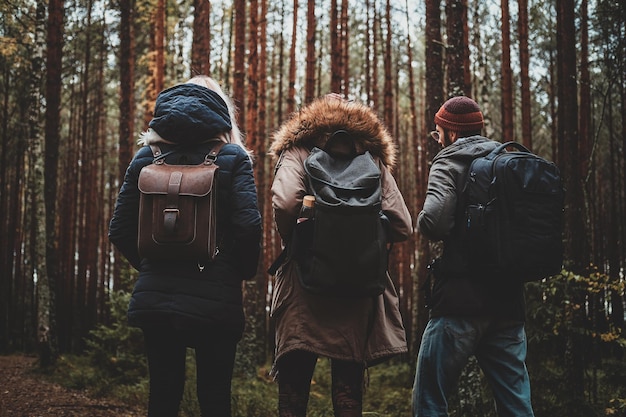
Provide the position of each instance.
(26, 393)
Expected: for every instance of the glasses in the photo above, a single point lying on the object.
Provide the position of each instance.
(435, 135)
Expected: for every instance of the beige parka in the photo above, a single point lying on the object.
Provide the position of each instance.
(361, 330)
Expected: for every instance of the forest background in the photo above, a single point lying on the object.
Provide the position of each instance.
(78, 81)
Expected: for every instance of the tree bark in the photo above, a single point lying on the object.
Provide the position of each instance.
(45, 332)
(388, 107)
(54, 66)
(345, 49)
(335, 49)
(201, 44)
(239, 71)
(506, 80)
(309, 86)
(524, 77)
(434, 99)
(159, 47)
(568, 144)
(457, 48)
(291, 91)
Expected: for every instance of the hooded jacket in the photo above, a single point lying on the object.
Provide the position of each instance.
(186, 294)
(455, 292)
(361, 330)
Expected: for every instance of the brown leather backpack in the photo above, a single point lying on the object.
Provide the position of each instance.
(177, 209)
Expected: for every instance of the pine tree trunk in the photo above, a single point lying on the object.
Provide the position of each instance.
(309, 85)
(524, 77)
(45, 332)
(291, 91)
(345, 49)
(239, 71)
(506, 80)
(54, 67)
(434, 99)
(568, 145)
(388, 107)
(159, 46)
(201, 44)
(335, 49)
(456, 15)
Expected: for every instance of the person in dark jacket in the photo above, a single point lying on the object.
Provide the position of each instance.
(180, 304)
(468, 317)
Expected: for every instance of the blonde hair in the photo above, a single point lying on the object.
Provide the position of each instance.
(233, 136)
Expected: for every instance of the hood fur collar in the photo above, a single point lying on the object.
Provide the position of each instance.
(314, 123)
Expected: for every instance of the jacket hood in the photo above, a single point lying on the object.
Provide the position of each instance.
(465, 150)
(315, 123)
(190, 113)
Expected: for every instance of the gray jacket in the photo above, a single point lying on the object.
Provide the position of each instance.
(455, 291)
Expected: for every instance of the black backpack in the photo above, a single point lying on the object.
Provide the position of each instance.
(342, 251)
(513, 216)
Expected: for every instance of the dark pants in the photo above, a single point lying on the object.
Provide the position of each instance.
(215, 358)
(295, 371)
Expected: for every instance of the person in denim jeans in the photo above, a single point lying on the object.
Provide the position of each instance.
(469, 315)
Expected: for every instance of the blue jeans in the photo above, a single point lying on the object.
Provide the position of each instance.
(447, 345)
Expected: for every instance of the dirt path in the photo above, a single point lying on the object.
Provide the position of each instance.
(25, 394)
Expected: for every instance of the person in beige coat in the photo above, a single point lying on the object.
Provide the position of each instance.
(353, 333)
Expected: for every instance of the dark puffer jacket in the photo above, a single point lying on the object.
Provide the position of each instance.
(184, 294)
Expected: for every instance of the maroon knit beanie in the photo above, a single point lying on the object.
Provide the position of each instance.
(460, 114)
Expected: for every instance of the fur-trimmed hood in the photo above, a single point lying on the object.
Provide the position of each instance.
(314, 123)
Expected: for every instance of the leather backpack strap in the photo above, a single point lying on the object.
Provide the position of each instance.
(212, 156)
(156, 150)
(171, 212)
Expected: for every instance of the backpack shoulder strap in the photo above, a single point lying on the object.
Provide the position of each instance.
(212, 156)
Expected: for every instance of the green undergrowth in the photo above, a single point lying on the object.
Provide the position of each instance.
(387, 393)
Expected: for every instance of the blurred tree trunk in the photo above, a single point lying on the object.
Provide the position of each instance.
(522, 26)
(84, 185)
(412, 189)
(126, 105)
(568, 144)
(201, 44)
(239, 71)
(225, 65)
(156, 58)
(253, 347)
(309, 86)
(345, 49)
(585, 123)
(54, 68)
(614, 267)
(388, 101)
(291, 91)
(376, 38)
(367, 58)
(280, 68)
(127, 86)
(6, 180)
(96, 291)
(619, 263)
(264, 181)
(159, 47)
(506, 80)
(36, 183)
(457, 51)
(434, 99)
(335, 49)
